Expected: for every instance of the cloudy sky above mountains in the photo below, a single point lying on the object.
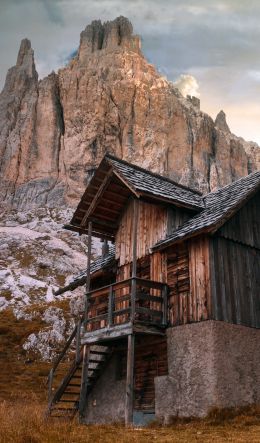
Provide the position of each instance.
(216, 42)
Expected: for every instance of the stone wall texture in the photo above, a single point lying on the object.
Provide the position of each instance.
(211, 364)
(106, 402)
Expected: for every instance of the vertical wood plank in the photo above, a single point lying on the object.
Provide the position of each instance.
(110, 306)
(88, 271)
(89, 256)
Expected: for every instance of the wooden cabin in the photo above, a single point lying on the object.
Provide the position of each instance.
(172, 307)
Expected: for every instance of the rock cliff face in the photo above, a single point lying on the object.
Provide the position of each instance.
(54, 132)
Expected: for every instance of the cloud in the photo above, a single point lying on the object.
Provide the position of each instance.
(187, 85)
(216, 42)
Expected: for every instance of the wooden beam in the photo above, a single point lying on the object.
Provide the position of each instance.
(89, 256)
(165, 305)
(130, 187)
(110, 306)
(78, 345)
(129, 400)
(134, 236)
(88, 276)
(94, 202)
(107, 224)
(50, 382)
(96, 233)
(134, 254)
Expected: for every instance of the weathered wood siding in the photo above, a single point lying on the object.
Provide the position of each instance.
(179, 283)
(150, 362)
(200, 289)
(235, 267)
(152, 226)
(244, 227)
(189, 281)
(176, 218)
(235, 282)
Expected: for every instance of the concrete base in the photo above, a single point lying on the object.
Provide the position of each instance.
(211, 364)
(106, 402)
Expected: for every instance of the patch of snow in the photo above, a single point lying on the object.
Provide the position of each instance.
(49, 294)
(3, 303)
(45, 341)
(25, 280)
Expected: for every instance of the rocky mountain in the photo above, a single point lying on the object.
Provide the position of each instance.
(53, 134)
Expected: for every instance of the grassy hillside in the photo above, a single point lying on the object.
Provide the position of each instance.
(21, 371)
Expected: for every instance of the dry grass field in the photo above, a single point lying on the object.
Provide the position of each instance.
(22, 421)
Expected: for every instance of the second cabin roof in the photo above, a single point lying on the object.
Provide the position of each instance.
(113, 183)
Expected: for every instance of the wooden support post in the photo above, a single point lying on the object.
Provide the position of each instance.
(89, 256)
(77, 357)
(110, 306)
(84, 383)
(50, 381)
(165, 305)
(88, 270)
(134, 236)
(129, 401)
(134, 262)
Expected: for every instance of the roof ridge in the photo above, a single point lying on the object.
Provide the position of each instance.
(217, 211)
(235, 182)
(113, 157)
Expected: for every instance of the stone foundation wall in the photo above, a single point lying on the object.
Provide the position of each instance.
(107, 400)
(211, 364)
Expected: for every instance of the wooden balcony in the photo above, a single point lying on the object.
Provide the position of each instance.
(126, 307)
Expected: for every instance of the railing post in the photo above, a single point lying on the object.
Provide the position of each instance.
(86, 310)
(78, 342)
(110, 306)
(165, 305)
(50, 381)
(133, 299)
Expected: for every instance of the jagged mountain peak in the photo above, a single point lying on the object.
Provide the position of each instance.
(25, 53)
(221, 122)
(109, 36)
(108, 99)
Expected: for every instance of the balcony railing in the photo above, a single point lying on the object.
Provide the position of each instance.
(133, 300)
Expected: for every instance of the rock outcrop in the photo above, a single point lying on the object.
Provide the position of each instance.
(53, 132)
(221, 122)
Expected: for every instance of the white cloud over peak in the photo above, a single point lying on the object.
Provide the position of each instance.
(187, 85)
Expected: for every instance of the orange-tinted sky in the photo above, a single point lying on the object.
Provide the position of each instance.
(216, 42)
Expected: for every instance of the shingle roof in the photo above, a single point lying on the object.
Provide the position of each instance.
(101, 262)
(220, 206)
(144, 181)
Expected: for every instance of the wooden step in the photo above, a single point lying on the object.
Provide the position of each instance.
(92, 360)
(99, 352)
(65, 400)
(71, 392)
(63, 409)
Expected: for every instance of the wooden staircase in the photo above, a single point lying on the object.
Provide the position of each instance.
(70, 397)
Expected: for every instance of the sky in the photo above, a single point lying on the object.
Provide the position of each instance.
(209, 47)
